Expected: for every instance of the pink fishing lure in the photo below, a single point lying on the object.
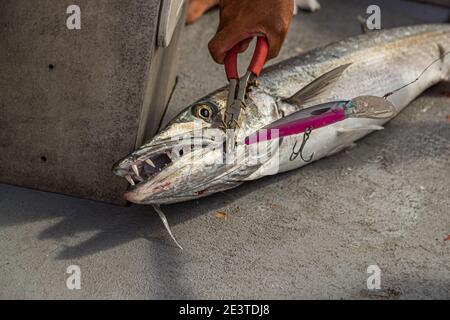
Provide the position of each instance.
(296, 126)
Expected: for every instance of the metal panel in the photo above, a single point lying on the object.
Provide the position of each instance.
(171, 12)
(71, 100)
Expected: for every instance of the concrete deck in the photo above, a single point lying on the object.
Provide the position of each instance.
(310, 233)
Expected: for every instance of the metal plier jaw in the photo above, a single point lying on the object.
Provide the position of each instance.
(238, 87)
(236, 97)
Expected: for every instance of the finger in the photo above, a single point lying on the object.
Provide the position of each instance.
(276, 37)
(243, 45)
(274, 47)
(224, 41)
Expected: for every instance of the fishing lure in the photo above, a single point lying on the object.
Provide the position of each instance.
(323, 115)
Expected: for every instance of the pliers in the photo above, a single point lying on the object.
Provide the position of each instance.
(238, 87)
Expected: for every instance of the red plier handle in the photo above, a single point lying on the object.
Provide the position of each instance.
(256, 65)
(238, 87)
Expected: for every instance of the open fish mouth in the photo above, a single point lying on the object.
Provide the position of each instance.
(147, 169)
(148, 162)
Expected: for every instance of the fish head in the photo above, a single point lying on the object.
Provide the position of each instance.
(185, 160)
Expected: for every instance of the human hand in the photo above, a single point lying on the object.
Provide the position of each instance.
(241, 20)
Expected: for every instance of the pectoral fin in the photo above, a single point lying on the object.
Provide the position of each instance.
(359, 128)
(341, 148)
(318, 89)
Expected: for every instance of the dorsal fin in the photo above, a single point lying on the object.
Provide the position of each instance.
(317, 89)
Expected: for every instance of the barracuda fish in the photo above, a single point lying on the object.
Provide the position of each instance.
(397, 64)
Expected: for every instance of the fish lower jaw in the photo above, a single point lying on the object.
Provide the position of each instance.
(147, 192)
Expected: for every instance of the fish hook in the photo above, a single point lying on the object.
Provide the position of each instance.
(295, 154)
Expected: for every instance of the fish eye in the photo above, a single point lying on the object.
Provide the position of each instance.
(204, 112)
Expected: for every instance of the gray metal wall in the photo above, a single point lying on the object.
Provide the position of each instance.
(72, 101)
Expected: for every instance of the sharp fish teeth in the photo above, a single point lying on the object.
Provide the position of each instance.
(135, 169)
(130, 180)
(150, 163)
(169, 154)
(173, 156)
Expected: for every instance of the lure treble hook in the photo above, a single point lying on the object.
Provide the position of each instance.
(296, 154)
